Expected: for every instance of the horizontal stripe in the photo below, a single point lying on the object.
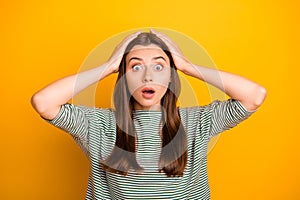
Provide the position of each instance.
(94, 131)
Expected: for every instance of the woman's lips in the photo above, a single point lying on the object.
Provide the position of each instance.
(148, 92)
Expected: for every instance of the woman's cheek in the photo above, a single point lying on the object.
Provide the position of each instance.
(163, 79)
(133, 81)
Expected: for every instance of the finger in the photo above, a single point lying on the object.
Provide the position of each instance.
(129, 38)
(152, 31)
(133, 35)
(156, 32)
(164, 37)
(122, 45)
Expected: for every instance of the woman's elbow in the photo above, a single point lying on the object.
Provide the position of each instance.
(42, 105)
(37, 103)
(255, 98)
(261, 95)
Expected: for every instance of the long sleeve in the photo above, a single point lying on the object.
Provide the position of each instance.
(226, 115)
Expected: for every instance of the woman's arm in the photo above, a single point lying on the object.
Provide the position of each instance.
(47, 101)
(249, 93)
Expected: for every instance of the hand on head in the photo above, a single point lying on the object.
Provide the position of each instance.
(180, 60)
(116, 57)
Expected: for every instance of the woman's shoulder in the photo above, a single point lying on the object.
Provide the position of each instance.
(193, 112)
(208, 106)
(199, 110)
(90, 112)
(97, 111)
(194, 109)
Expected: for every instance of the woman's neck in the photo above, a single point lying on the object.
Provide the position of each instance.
(156, 107)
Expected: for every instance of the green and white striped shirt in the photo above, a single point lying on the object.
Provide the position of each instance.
(94, 129)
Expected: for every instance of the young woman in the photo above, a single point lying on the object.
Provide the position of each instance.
(147, 147)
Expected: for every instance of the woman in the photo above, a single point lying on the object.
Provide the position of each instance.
(147, 148)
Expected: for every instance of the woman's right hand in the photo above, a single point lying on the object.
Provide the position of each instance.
(48, 100)
(114, 61)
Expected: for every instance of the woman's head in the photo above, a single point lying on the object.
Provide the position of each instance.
(148, 71)
(147, 80)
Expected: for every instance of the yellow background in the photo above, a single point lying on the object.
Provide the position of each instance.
(42, 41)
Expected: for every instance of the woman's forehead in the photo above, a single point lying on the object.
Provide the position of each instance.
(141, 47)
(148, 51)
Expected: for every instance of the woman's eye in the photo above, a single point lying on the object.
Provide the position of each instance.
(158, 67)
(137, 67)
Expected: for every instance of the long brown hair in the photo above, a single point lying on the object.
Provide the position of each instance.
(173, 156)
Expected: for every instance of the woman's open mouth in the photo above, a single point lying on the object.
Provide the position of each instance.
(148, 92)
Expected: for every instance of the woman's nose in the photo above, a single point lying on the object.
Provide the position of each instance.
(147, 75)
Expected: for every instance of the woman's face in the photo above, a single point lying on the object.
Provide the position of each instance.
(148, 74)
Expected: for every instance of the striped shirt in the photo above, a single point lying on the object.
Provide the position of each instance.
(94, 129)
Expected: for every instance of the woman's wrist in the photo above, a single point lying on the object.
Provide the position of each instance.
(104, 70)
(192, 70)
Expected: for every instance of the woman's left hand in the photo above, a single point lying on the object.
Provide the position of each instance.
(249, 93)
(181, 62)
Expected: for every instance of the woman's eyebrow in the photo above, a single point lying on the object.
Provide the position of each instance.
(159, 57)
(140, 59)
(135, 58)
